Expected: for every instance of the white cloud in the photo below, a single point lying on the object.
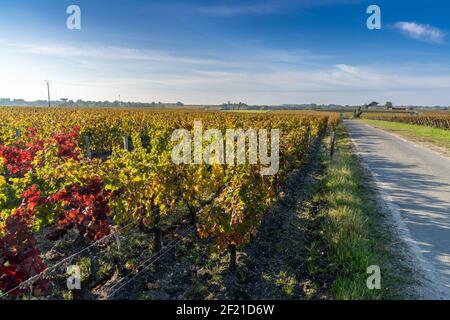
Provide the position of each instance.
(264, 7)
(347, 68)
(258, 76)
(423, 32)
(107, 53)
(90, 55)
(239, 9)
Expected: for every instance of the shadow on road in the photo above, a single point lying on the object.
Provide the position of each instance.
(421, 194)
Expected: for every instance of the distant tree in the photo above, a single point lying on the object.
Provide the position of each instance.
(357, 113)
(389, 104)
(372, 104)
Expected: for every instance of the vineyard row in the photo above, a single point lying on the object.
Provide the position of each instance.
(48, 182)
(439, 121)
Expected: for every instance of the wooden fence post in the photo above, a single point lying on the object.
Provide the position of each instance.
(157, 240)
(332, 142)
(310, 138)
(232, 251)
(87, 141)
(126, 143)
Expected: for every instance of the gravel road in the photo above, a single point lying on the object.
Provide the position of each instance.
(414, 183)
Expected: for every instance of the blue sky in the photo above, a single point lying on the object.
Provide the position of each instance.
(258, 52)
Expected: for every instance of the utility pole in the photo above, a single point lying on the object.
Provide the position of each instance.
(48, 91)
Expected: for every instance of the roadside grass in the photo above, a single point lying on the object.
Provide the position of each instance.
(422, 134)
(353, 231)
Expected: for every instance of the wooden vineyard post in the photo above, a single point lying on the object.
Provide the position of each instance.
(332, 142)
(309, 135)
(145, 138)
(232, 250)
(18, 134)
(231, 247)
(126, 143)
(192, 215)
(157, 245)
(87, 141)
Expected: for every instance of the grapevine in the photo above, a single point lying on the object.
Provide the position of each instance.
(48, 184)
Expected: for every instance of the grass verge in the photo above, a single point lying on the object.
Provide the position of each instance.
(431, 137)
(353, 232)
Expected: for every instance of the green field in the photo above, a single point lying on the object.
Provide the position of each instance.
(427, 136)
